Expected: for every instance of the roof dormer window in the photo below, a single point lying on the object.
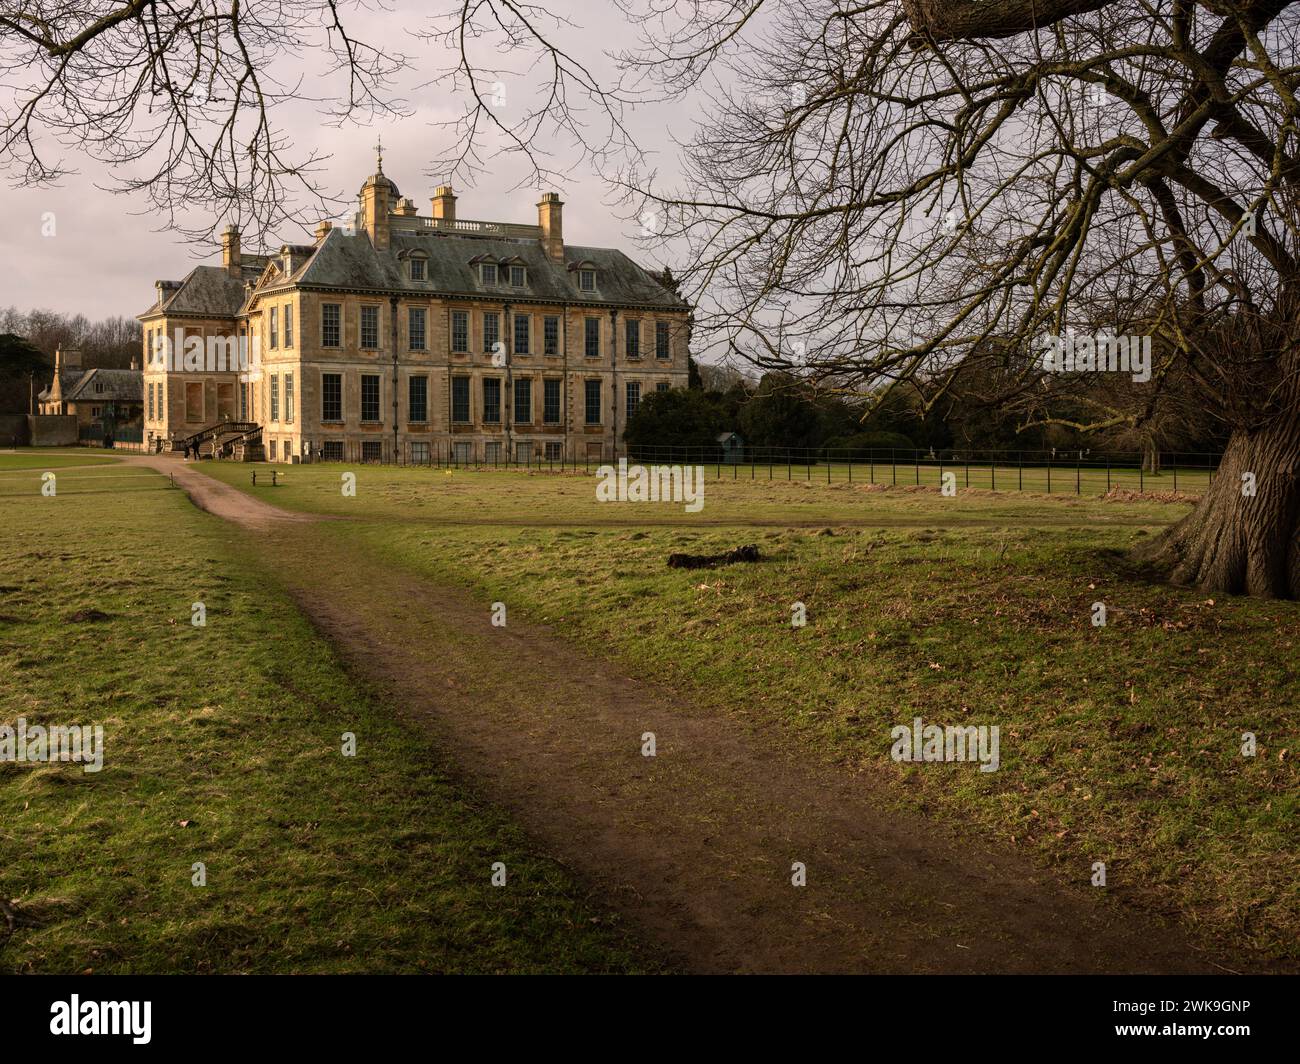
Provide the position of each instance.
(419, 270)
(587, 280)
(488, 272)
(518, 276)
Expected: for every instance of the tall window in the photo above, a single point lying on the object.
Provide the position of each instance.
(632, 329)
(275, 328)
(523, 402)
(592, 395)
(415, 327)
(491, 400)
(460, 400)
(491, 331)
(591, 337)
(460, 330)
(150, 402)
(288, 326)
(275, 397)
(370, 328)
(331, 397)
(633, 397)
(523, 333)
(551, 402)
(331, 315)
(418, 405)
(369, 397)
(550, 336)
(288, 398)
(661, 340)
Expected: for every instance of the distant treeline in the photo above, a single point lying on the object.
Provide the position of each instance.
(28, 340)
(781, 411)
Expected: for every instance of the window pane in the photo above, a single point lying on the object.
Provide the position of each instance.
(288, 397)
(593, 402)
(329, 324)
(370, 328)
(551, 402)
(460, 330)
(524, 401)
(633, 330)
(419, 399)
(275, 397)
(489, 273)
(288, 326)
(274, 328)
(551, 335)
(331, 391)
(633, 397)
(592, 337)
(661, 339)
(369, 397)
(517, 276)
(415, 322)
(491, 399)
(491, 331)
(523, 333)
(460, 400)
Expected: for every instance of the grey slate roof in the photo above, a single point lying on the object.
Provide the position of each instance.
(67, 381)
(351, 262)
(209, 291)
(120, 386)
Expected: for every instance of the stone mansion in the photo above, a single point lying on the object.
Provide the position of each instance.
(414, 338)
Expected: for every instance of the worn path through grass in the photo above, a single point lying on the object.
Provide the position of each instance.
(698, 843)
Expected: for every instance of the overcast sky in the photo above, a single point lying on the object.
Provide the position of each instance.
(106, 255)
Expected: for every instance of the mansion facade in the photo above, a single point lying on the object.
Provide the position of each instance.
(414, 338)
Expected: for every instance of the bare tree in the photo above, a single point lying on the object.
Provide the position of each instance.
(887, 191)
(180, 100)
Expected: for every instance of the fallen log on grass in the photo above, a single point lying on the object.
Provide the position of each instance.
(748, 553)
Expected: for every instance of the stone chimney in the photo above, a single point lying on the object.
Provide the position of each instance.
(550, 220)
(69, 359)
(377, 196)
(322, 229)
(231, 259)
(443, 203)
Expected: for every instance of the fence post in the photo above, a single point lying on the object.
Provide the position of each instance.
(916, 457)
(1107, 474)
(1020, 470)
(893, 463)
(1175, 472)
(993, 475)
(1078, 464)
(1049, 474)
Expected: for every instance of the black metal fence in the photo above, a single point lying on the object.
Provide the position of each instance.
(1081, 471)
(1050, 471)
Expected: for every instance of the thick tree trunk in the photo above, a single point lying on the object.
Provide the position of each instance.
(1235, 542)
(961, 20)
(1151, 458)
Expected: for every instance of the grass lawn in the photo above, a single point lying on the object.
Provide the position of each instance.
(223, 746)
(52, 459)
(1120, 743)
